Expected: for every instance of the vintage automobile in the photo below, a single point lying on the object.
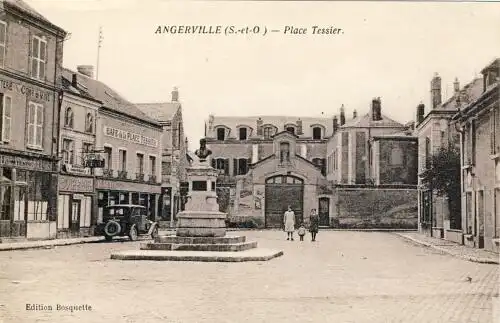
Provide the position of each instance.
(126, 219)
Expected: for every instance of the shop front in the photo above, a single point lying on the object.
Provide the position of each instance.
(75, 206)
(28, 189)
(111, 192)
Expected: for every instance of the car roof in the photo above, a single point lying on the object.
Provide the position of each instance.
(126, 205)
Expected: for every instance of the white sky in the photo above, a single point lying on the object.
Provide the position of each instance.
(389, 49)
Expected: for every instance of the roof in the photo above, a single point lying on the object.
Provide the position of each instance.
(109, 97)
(470, 92)
(366, 121)
(79, 91)
(163, 111)
(24, 7)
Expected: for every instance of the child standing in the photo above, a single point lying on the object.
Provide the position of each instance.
(302, 232)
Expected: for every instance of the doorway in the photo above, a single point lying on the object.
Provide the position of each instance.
(324, 211)
(74, 225)
(283, 191)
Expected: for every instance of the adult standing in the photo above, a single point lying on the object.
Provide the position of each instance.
(314, 224)
(289, 222)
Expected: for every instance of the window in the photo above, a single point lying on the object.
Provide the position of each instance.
(38, 57)
(221, 134)
(396, 156)
(68, 118)
(89, 123)
(140, 164)
(494, 143)
(316, 133)
(152, 165)
(3, 41)
(86, 149)
(243, 133)
(472, 141)
(6, 117)
(427, 152)
(68, 151)
(284, 151)
(35, 125)
(123, 160)
(166, 168)
(221, 164)
(240, 166)
(108, 157)
(290, 129)
(268, 132)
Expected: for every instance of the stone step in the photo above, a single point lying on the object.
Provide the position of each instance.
(200, 247)
(200, 240)
(256, 254)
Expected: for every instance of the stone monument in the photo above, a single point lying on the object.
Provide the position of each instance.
(201, 227)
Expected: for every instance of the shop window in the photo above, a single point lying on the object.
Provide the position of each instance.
(317, 133)
(38, 195)
(38, 57)
(6, 116)
(221, 134)
(3, 42)
(35, 125)
(68, 118)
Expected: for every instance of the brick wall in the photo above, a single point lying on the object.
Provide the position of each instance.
(375, 208)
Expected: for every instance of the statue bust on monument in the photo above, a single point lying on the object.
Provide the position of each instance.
(203, 152)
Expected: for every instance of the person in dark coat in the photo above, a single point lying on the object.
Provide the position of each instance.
(314, 224)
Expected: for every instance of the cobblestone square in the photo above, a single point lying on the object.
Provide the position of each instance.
(342, 277)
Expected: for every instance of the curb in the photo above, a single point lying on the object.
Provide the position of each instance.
(46, 243)
(451, 253)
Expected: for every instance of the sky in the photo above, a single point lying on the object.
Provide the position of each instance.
(389, 50)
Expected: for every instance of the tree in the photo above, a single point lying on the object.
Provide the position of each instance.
(442, 176)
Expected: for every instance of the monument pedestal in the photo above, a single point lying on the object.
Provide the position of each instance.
(201, 230)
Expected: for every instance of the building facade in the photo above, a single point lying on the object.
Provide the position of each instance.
(479, 124)
(129, 142)
(31, 51)
(77, 138)
(173, 156)
(438, 216)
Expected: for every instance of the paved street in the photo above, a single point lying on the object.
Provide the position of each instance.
(343, 277)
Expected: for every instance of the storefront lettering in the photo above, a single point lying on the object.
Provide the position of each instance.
(16, 161)
(126, 186)
(75, 184)
(130, 136)
(25, 90)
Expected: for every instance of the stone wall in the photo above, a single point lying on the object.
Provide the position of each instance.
(375, 208)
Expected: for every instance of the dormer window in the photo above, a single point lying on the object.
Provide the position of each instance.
(68, 118)
(243, 134)
(290, 129)
(269, 131)
(221, 134)
(317, 133)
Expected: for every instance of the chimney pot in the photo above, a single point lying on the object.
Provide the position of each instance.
(74, 80)
(335, 124)
(342, 115)
(456, 86)
(175, 95)
(420, 113)
(87, 70)
(436, 91)
(354, 114)
(376, 109)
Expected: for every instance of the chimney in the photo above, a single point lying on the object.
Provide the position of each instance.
(376, 109)
(436, 91)
(259, 126)
(456, 86)
(335, 124)
(420, 113)
(342, 115)
(74, 80)
(354, 114)
(175, 95)
(87, 70)
(299, 127)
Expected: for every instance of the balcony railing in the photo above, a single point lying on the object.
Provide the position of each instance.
(122, 174)
(139, 176)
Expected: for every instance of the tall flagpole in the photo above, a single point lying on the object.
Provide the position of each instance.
(98, 52)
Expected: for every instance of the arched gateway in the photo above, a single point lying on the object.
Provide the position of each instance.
(281, 191)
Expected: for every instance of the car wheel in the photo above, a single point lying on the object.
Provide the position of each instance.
(132, 234)
(112, 228)
(154, 234)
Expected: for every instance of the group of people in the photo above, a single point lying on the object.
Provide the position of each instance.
(289, 225)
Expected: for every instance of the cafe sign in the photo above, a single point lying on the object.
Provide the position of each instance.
(130, 137)
(23, 162)
(28, 91)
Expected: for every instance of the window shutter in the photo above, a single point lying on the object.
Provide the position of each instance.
(235, 166)
(6, 117)
(39, 125)
(213, 163)
(31, 124)
(492, 132)
(226, 166)
(43, 59)
(473, 141)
